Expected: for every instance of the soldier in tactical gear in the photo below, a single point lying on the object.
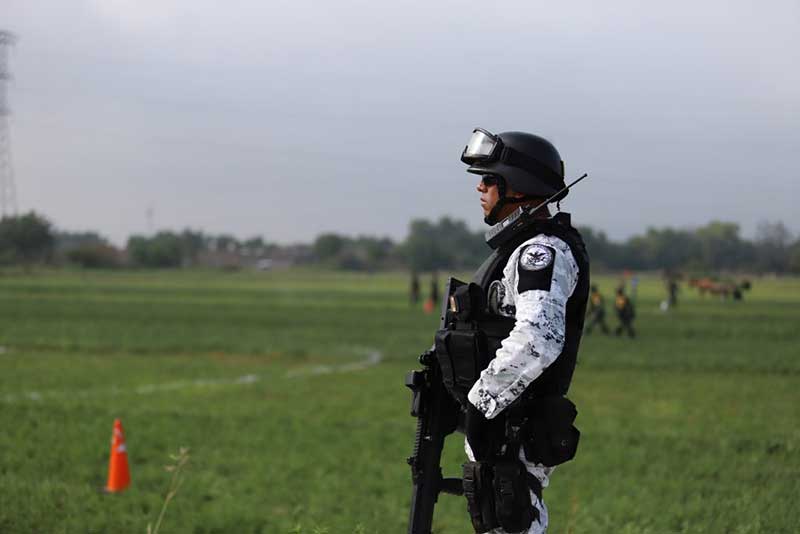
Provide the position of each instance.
(531, 299)
(625, 313)
(597, 312)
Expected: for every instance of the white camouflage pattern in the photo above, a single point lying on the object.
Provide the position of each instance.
(538, 335)
(533, 344)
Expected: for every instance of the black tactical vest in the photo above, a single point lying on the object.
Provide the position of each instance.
(454, 347)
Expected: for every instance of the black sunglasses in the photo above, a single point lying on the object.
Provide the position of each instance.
(490, 179)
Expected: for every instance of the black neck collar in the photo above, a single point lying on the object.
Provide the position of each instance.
(519, 223)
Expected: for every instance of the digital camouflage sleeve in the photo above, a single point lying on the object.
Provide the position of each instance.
(538, 279)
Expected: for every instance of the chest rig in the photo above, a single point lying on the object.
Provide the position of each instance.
(472, 333)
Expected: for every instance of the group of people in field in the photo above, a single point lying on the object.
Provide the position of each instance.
(596, 313)
(433, 296)
(624, 306)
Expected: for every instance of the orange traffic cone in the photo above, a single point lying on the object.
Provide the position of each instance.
(119, 476)
(428, 307)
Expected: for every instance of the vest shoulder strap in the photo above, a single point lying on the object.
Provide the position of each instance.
(559, 226)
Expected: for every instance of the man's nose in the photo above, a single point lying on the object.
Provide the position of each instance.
(481, 187)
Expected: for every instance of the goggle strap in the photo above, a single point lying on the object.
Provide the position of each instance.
(532, 165)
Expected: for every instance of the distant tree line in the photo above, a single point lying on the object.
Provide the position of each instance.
(187, 248)
(446, 244)
(359, 253)
(717, 246)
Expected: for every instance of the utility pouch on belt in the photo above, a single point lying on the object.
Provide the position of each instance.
(551, 439)
(461, 348)
(498, 495)
(512, 499)
(477, 483)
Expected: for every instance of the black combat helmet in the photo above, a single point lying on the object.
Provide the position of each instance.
(527, 164)
(530, 164)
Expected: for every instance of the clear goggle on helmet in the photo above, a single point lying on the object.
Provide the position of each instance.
(482, 146)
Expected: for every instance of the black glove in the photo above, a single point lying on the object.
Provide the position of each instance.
(478, 430)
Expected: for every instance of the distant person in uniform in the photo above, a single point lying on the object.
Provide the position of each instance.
(597, 312)
(672, 290)
(671, 285)
(413, 292)
(435, 288)
(625, 313)
(433, 299)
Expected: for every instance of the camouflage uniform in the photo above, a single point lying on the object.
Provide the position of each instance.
(536, 340)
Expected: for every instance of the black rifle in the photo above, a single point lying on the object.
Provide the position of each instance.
(437, 417)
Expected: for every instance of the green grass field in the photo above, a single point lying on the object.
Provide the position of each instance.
(269, 379)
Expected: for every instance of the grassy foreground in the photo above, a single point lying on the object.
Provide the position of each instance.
(270, 379)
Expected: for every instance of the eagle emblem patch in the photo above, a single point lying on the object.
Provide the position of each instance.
(536, 257)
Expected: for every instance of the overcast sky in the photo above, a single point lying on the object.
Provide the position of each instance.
(289, 118)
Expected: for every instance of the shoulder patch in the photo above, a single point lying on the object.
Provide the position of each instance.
(536, 257)
(536, 268)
